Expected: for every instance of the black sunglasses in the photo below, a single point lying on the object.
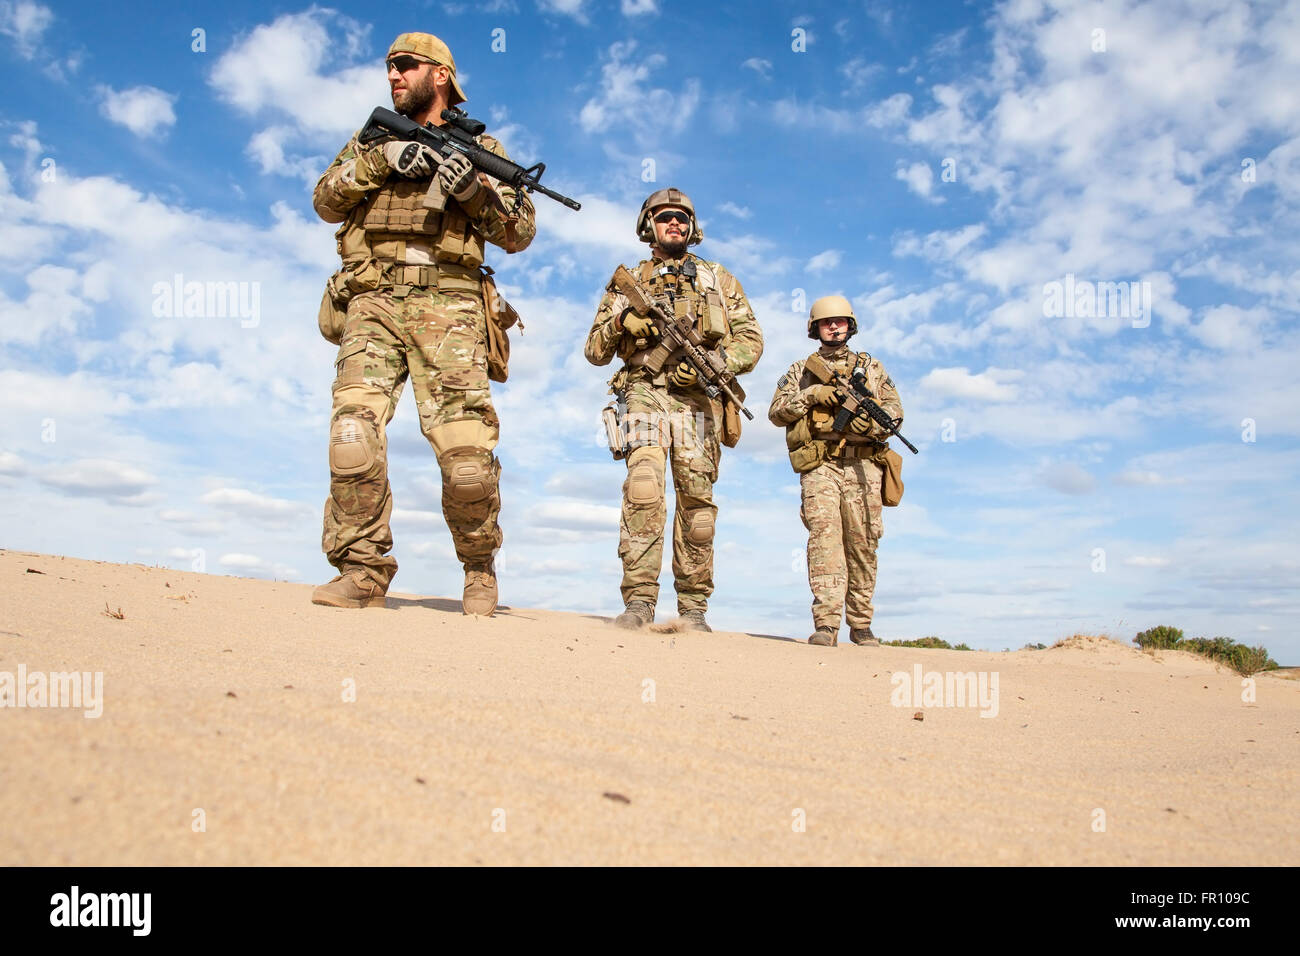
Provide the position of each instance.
(673, 216)
(404, 63)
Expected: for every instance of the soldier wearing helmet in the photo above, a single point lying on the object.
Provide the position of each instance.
(840, 473)
(408, 303)
(671, 423)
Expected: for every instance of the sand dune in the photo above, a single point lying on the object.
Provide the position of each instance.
(546, 737)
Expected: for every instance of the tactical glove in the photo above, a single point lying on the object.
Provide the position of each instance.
(411, 160)
(684, 375)
(823, 395)
(458, 177)
(860, 424)
(371, 167)
(638, 326)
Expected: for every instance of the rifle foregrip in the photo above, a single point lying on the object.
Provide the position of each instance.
(497, 167)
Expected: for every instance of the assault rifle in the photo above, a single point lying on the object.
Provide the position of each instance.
(856, 399)
(458, 136)
(679, 339)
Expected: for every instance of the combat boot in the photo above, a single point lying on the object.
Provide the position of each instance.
(480, 596)
(353, 589)
(825, 636)
(693, 620)
(863, 637)
(637, 616)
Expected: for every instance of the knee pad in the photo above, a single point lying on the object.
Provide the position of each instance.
(468, 474)
(354, 442)
(699, 529)
(645, 476)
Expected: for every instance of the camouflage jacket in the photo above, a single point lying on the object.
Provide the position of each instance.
(338, 197)
(743, 343)
(792, 400)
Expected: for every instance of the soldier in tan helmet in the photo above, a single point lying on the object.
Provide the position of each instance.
(840, 473)
(673, 424)
(408, 303)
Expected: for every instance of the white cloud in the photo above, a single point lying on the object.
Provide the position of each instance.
(52, 306)
(1146, 561)
(858, 72)
(1231, 328)
(101, 478)
(144, 110)
(568, 8)
(576, 516)
(286, 70)
(824, 261)
(635, 8)
(249, 504)
(11, 464)
(420, 519)
(254, 566)
(25, 23)
(960, 383)
(759, 65)
(919, 179)
(1069, 479)
(731, 209)
(1152, 478)
(626, 100)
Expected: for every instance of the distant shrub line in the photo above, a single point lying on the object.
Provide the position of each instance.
(932, 642)
(1223, 650)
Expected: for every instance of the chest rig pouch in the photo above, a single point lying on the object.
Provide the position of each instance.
(405, 209)
(694, 294)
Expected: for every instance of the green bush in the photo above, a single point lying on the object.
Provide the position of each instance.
(1224, 650)
(1250, 660)
(1159, 638)
(930, 642)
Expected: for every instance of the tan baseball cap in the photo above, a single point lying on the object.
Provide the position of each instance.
(426, 46)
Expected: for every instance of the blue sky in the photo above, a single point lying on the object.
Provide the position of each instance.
(1093, 472)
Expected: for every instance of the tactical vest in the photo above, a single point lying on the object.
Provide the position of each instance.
(697, 297)
(392, 227)
(811, 439)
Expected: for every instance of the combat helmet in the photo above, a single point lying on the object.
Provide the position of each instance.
(657, 200)
(831, 307)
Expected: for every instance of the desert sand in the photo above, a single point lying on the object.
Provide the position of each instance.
(540, 737)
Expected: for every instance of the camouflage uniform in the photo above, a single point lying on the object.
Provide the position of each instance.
(416, 311)
(672, 426)
(841, 504)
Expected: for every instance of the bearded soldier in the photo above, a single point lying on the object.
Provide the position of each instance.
(840, 473)
(671, 420)
(409, 303)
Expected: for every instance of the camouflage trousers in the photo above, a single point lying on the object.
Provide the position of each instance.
(841, 509)
(678, 427)
(438, 341)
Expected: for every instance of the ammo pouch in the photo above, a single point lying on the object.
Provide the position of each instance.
(500, 316)
(730, 424)
(340, 289)
(891, 483)
(806, 452)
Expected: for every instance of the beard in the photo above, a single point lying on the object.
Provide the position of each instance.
(417, 97)
(673, 248)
